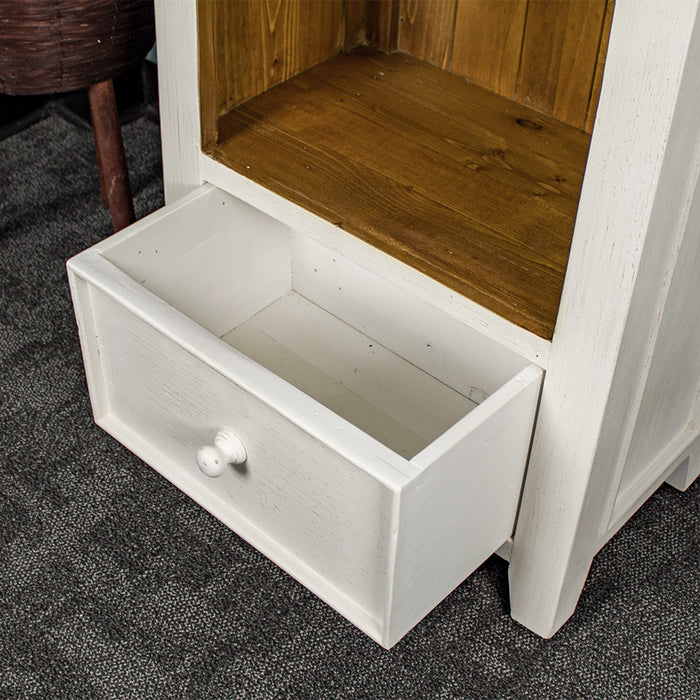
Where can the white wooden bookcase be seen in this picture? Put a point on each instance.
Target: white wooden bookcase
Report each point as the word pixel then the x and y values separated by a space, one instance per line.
pixel 619 407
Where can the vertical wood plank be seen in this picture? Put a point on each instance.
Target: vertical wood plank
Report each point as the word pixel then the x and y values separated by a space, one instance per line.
pixel 259 43
pixel 487 43
pixel 600 65
pixel 474 472
pixel 354 23
pixel 208 98
pixel 560 52
pixel 426 30
pixel 382 24
pixel 238 48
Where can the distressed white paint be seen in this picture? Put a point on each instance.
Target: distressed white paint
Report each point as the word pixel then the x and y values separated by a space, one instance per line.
pixel 640 179
pixel 81 294
pixel 228 450
pixel 317 493
pixel 212 257
pixel 428 336
pixel 457 491
pixel 672 362
pixel 686 468
pixel 176 33
pixel 350 373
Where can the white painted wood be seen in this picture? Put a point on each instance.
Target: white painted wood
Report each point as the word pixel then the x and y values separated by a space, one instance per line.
pixel 351 373
pixel 686 468
pixel 89 345
pixel 672 367
pixel 314 492
pixel 490 325
pixel 666 422
pixel 639 180
pixel 211 256
pixel 308 415
pixel 667 465
pixel 178 93
pixel 176 229
pixel 442 345
pixel 199 491
pixel 505 550
pixel 220 261
pixel 298 491
pixel 598 429
pixel 462 507
pixel 223 263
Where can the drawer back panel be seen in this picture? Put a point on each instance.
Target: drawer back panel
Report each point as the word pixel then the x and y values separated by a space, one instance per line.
pixel 217 260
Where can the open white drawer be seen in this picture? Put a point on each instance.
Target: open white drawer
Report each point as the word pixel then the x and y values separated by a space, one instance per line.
pixel 384 440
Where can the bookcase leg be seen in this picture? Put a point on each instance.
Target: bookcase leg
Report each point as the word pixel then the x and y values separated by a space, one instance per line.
pixel 544 599
pixel 546 582
pixel 687 469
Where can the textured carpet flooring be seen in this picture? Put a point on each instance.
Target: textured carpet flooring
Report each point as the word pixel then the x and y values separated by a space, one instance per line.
pixel 115 585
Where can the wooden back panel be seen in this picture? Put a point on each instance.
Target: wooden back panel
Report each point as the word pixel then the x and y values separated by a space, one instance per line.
pixel 544 54
pixel 247 46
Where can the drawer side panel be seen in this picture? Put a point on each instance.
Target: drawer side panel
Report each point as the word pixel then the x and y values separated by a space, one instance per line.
pixel 462 507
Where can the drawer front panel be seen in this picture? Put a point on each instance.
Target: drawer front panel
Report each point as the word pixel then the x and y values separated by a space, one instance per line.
pixel 323 513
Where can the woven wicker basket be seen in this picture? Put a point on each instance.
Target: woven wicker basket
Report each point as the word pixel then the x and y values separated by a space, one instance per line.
pixel 51 46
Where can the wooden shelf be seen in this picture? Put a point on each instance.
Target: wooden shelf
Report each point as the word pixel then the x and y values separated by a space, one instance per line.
pixel 471 188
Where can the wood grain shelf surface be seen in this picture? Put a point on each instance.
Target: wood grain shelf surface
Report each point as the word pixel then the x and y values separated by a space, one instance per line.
pixel 472 189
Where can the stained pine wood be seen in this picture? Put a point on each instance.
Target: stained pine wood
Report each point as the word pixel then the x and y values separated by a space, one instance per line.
pixel 383 23
pixel 426 30
pixel 210 107
pixel 258 43
pixel 559 57
pixel 548 55
pixel 474 190
pixel 600 65
pixel 354 23
pixel 488 40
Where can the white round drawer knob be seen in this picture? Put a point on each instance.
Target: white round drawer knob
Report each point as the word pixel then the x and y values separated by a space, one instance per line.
pixel 227 449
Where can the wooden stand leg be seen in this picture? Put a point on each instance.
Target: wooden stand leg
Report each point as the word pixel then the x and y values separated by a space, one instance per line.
pixel 114 177
pixel 103 191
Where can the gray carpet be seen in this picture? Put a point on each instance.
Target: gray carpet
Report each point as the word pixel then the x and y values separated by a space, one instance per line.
pixel 115 585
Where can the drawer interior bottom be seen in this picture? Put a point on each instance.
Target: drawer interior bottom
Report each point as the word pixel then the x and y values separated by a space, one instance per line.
pixel 352 374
